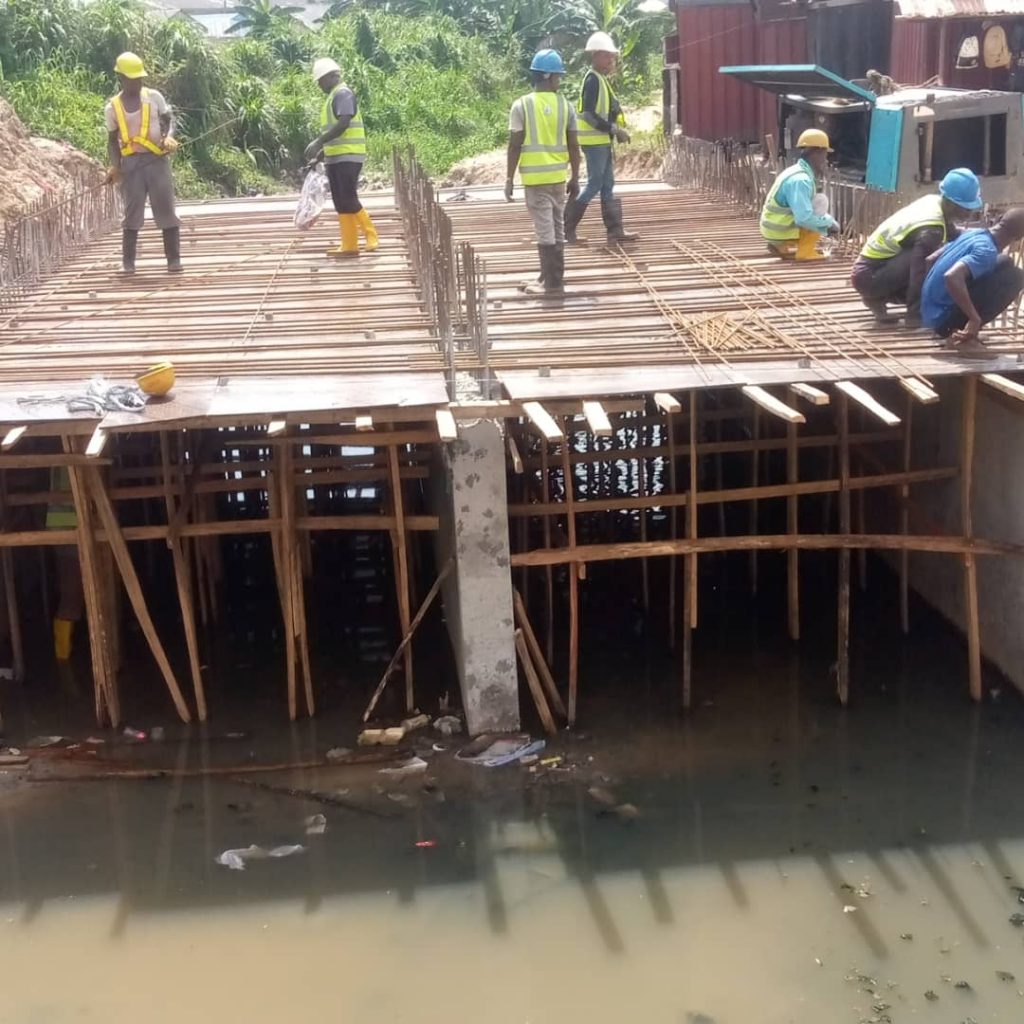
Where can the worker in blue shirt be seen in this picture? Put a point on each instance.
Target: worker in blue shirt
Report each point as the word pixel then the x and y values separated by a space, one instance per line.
pixel 971 281
pixel 790 222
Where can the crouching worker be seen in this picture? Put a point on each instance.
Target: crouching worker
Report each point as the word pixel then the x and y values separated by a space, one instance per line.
pixel 543 144
pixel 972 281
pixel 790 224
pixel 894 261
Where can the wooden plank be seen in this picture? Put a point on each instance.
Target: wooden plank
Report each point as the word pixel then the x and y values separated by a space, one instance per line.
pixel 667 403
pixel 597 419
pixel 574 596
pixel 859 395
pixel 276 427
pixel 536 654
pixel 542 420
pixel 921 391
pixel 96 443
pixel 12 437
pixel 793 528
pixel 364 423
pixel 398 537
pixel 908 423
pixel 772 404
pixel 513 451
pixel 843 613
pixel 534 684
pixel 446 428
pixel 809 393
pixel 973 624
pixel 1004 384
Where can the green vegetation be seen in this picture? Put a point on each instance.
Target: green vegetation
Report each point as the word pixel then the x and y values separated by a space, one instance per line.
pixel 436 74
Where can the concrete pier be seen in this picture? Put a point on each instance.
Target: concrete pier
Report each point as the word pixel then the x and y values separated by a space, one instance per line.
pixel 473 507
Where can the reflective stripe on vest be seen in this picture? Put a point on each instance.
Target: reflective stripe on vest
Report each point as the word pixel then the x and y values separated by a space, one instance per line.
pixel 60 516
pixel 589 135
pixel 545 155
pixel 352 141
pixel 885 243
pixel 142 139
pixel 777 223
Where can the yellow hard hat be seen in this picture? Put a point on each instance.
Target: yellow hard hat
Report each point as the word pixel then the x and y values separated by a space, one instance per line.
pixel 158 379
pixel 130 65
pixel 813 138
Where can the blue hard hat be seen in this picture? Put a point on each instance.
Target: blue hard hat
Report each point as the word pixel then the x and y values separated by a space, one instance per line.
pixel 961 186
pixel 549 62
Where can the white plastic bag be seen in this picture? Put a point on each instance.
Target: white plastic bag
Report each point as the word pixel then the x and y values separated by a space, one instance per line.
pixel 312 198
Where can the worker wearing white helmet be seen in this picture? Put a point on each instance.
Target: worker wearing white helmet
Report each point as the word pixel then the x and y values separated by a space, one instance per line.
pixel 342 145
pixel 601 121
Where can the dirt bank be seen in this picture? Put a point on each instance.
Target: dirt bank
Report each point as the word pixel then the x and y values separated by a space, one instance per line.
pixel 32 168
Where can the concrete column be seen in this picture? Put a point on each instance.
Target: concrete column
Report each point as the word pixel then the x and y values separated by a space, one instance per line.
pixel 478 594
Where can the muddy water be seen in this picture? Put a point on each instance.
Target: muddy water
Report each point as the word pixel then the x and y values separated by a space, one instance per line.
pixel 790 863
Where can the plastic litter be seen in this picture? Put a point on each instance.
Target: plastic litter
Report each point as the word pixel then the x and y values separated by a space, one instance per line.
pixel 316 825
pixel 505 750
pixel 45 741
pixel 99 396
pixel 237 859
pixel 413 766
pixel 416 722
pixel 338 753
pixel 133 734
pixel 312 198
pixel 448 725
pixel 426 844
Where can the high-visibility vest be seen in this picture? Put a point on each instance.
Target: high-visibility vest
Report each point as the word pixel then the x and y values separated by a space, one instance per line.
pixel 887 238
pixel 60 515
pixel 589 134
pixel 352 141
pixel 777 223
pixel 142 139
pixel 545 155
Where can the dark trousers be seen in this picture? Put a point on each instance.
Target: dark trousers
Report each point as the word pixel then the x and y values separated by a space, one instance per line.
pixel 991 295
pixel 883 279
pixel 343 179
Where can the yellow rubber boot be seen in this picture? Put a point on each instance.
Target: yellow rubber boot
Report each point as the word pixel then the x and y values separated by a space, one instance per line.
pixel 807 247
pixel 369 231
pixel 349 236
pixel 63 629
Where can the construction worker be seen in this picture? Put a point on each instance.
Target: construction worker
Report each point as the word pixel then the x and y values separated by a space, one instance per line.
pixel 971 281
pixel 543 144
pixel 601 122
pixel 140 137
pixel 60 515
pixel 894 261
pixel 342 144
pixel 795 215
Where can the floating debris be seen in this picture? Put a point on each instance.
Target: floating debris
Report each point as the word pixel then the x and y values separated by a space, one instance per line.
pixel 931 996
pixel 1005 976
pixel 1017 920
pixel 849 910
pixel 907 936
pixel 964 985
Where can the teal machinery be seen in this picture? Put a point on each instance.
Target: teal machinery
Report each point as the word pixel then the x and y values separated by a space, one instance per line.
pixel 905 141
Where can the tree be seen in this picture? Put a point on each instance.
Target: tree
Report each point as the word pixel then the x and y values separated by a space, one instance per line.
pixel 260 18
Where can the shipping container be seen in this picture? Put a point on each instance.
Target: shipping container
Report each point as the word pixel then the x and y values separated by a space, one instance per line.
pixel 850 38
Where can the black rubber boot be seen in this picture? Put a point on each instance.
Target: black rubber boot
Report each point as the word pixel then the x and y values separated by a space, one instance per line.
pixel 172 250
pixel 554 283
pixel 129 246
pixel 880 311
pixel 547 254
pixel 611 213
pixel 574 211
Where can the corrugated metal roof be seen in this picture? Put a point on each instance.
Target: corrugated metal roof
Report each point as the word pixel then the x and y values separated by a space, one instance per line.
pixel 959 8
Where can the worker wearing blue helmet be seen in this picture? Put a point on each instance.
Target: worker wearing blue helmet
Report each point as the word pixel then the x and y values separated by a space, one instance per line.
pixel 894 261
pixel 543 145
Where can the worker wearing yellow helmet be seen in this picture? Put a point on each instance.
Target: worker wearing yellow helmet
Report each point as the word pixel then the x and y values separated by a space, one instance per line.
pixel 140 137
pixel 342 146
pixel 795 214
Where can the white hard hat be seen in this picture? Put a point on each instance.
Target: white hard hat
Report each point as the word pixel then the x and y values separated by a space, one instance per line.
pixel 323 66
pixel 601 42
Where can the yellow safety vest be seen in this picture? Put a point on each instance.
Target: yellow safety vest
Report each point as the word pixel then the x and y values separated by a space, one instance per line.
pixel 142 139
pixel 545 155
pixel 590 135
pixel 925 212
pixel 352 141
pixel 60 516
pixel 777 223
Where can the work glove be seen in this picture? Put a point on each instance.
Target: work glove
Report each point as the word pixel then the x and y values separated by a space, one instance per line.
pixel 113 176
pixel 509 186
pixel 621 135
pixel 169 144
pixel 572 188
pixel 834 229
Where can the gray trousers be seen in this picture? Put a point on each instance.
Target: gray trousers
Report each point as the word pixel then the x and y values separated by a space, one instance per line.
pixel 147 175
pixel 546 204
